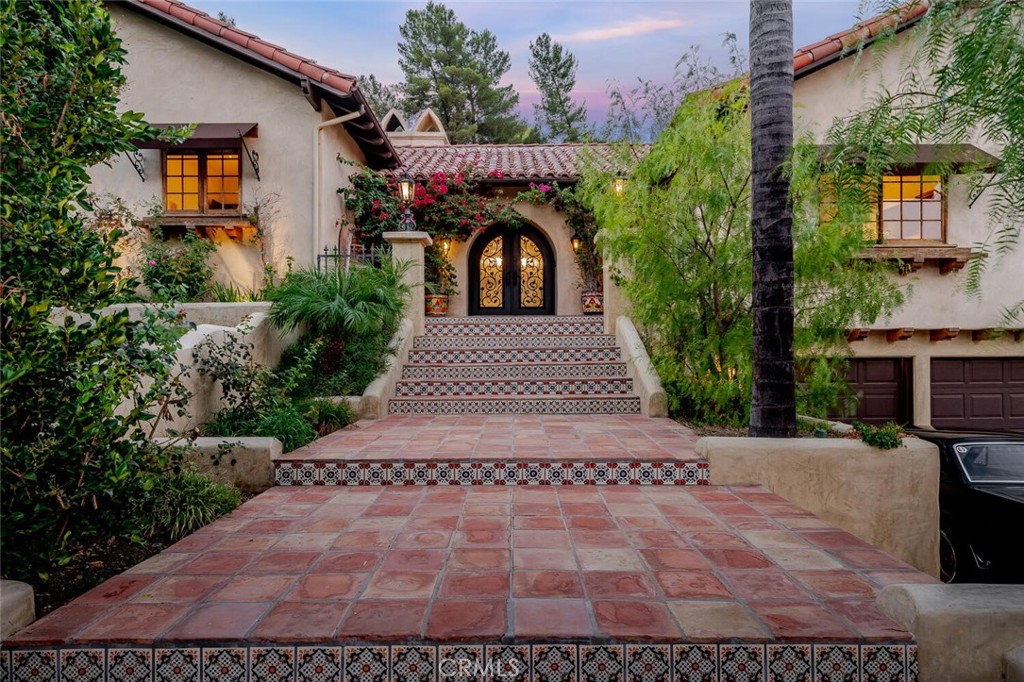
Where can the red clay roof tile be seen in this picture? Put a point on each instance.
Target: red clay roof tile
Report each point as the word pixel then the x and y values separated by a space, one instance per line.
pixel 524 162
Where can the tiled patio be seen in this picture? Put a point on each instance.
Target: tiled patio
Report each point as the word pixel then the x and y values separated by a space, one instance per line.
pixel 505 437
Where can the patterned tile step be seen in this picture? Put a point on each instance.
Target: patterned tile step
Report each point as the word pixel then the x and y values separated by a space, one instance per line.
pixel 490 356
pixel 540 662
pixel 449 388
pixel 509 342
pixel 513 326
pixel 578 370
pixel 489 473
pixel 539 405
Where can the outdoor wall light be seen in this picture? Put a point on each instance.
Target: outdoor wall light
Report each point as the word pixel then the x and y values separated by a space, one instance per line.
pixel 406 188
pixel 446 245
pixel 576 243
pixel 619 184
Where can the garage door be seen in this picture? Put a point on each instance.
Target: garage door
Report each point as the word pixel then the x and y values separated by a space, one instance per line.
pixel 978 393
pixel 883 388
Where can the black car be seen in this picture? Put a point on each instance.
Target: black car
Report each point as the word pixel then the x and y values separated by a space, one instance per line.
pixel 981 505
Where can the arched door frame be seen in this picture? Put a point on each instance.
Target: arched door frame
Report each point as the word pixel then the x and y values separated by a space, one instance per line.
pixel 511 281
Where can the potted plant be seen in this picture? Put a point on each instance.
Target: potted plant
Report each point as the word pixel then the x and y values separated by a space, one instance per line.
pixel 588 258
pixel 440 280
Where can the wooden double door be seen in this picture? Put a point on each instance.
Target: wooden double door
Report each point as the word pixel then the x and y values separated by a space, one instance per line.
pixel 511 272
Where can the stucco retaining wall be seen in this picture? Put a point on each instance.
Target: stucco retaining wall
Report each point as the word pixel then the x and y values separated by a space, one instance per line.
pixel 653 400
pixel 17 607
pixel 889 498
pixel 963 632
pixel 374 403
pixel 246 463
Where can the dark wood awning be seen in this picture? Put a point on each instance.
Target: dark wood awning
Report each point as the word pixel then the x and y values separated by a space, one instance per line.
pixel 205 136
pixel 956 154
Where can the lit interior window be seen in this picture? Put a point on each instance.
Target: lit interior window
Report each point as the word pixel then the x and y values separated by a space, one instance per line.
pixel 911 208
pixel 221 181
pixel 182 175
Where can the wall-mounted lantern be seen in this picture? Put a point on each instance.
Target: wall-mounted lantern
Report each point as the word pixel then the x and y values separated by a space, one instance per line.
pixel 619 184
pixel 576 242
pixel 406 192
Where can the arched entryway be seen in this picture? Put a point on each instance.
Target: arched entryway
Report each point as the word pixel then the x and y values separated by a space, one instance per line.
pixel 511 272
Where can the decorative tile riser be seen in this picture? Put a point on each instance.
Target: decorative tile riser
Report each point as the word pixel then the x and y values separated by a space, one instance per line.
pixel 514 326
pixel 513 387
pixel 550 662
pixel 483 356
pixel 600 405
pixel 490 473
pixel 509 342
pixel 589 370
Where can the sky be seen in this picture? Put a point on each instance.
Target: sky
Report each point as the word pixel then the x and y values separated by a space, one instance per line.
pixel 614 41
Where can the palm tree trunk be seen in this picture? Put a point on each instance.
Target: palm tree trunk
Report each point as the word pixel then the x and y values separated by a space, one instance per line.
pixel 773 399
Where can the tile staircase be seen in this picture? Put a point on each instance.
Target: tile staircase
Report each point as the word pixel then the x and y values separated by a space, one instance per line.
pixel 515 365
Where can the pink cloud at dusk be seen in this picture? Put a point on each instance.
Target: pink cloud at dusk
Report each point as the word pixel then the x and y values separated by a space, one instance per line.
pixel 631 29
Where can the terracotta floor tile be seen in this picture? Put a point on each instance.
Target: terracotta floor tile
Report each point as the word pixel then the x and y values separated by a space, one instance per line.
pixel 774 538
pixel 592 522
pixel 766 584
pixel 618 585
pixel 868 621
pixel 691 585
pixel 884 578
pixel 401 584
pixel 282 562
pixel 301 622
pixel 247 542
pixel 160 564
pixel 552 584
pixel 834 539
pixel 659 539
pixel 180 589
pixel 801 621
pixel 306 541
pixel 414 559
pixel 365 539
pixel 609 560
pixel 434 539
pixel 598 538
pixel 432 523
pixel 58 626
pixel 550 539
pixel 835 584
pixel 674 559
pixel 556 619
pixel 872 559
pixel 528 559
pixel 460 621
pixel 254 588
pixel 474 585
pixel 588 509
pixel 715 621
pixel 634 523
pixel 635 620
pixel 736 558
pixel 793 559
pixel 222 620
pixel 328 586
pixel 351 561
pixel 522 522
pixel 716 539
pixel 484 523
pixel 217 563
pixel 695 523
pixel 481 538
pixel 116 590
pixel 133 624
pixel 384 620
pixel 480 559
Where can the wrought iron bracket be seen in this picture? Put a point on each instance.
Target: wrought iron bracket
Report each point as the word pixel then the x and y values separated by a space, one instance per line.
pixel 138 163
pixel 254 156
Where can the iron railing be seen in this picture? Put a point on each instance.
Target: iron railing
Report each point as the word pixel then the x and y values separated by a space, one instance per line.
pixel 333 257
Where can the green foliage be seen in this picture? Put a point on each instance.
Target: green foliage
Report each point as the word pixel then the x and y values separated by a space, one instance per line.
pixel 553 71
pixel 962 84
pixel 181 503
pixel 363 359
pixel 229 293
pixel 681 239
pixel 326 416
pixel 383 98
pixel 75 446
pixel 457 72
pixel 178 270
pixel 581 222
pixel 888 436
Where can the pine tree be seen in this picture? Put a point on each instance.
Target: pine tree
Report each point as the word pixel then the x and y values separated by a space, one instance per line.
pixel 457 72
pixel 553 71
pixel 383 98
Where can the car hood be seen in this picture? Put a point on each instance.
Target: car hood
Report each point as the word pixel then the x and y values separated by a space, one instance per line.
pixel 1014 493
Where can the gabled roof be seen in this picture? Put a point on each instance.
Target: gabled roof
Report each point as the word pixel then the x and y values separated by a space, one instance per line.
pixel 822 53
pixel 509 162
pixel 316 82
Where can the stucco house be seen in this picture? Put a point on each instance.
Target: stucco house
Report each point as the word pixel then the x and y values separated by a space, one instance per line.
pixel 274 123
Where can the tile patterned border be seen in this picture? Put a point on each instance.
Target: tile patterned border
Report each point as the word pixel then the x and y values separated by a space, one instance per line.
pixel 504 388
pixel 500 355
pixel 494 473
pixel 531 405
pixel 581 370
pixel 475 662
pixel 526 342
pixel 514 326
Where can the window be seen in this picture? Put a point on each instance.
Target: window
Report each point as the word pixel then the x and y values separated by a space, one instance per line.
pixel 911 209
pixel 202 181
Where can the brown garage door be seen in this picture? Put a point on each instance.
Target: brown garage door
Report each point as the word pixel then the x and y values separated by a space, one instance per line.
pixel 884 389
pixel 978 393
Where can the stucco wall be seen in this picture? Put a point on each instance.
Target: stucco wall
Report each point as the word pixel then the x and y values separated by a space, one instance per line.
pixel 173 78
pixel 936 301
pixel 889 498
pixel 552 224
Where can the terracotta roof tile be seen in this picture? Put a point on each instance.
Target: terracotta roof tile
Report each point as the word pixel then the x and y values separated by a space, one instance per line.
pixel 515 161
pixel 806 58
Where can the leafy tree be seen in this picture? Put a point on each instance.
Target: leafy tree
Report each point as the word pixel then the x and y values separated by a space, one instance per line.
pixel 553 71
pixel 76 413
pixel 457 72
pixel 681 240
pixel 963 84
pixel 773 398
pixel 383 98
pixel 226 18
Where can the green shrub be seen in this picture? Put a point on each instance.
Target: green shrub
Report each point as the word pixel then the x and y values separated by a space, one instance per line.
pixel 229 293
pixel 178 270
pixel 326 416
pixel 183 502
pixel 363 359
pixel 888 436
